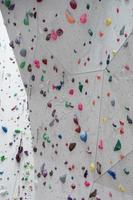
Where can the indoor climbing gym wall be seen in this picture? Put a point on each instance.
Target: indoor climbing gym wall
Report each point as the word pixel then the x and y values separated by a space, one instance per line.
pixel 75 59
pixel 16 178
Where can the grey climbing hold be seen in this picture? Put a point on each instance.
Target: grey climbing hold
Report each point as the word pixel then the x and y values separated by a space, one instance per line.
pixel 23 52
pixel 113 103
pixel 63 178
pixel 122 30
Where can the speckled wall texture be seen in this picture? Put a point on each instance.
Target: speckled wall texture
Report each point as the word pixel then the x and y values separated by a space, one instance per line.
pixel 75 60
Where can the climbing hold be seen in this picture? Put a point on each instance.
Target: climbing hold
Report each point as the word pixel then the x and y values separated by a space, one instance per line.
pixel 80 86
pixel 69 198
pixel 29 68
pixel 48 37
pixel 53 35
pixel 84 136
pixel 17 131
pixel 5 130
pixel 117 146
pixel 88 6
pixel 108 21
pixel 68 105
pixel 100 145
pixel 73 4
pixel 71 91
pixel 69 17
pixel 59 32
pixel 46 137
pixel 7 3
pixel 45 61
pixel 114 52
pixel 92 167
pixel 113 103
pixel 83 18
pixel 11 44
pixel 85 173
pixel 33 77
pixel 37 63
pixel 42 78
pixel 63 178
pixel 93 194
pixel 23 52
pixel 99 166
pixel 122 30
pixel 78 129
pixel 75 120
pixel 101 34
pixel 108 60
pixel 126 171
pixel 22 64
pixel 72 146
pixel 121 188
pixel 87 183
pixel 90 32
pixel 80 106
pixel 130 121
pixel 26 19
pixel 2 158
pixel 60 136
pixel 112 174
pixel 110 79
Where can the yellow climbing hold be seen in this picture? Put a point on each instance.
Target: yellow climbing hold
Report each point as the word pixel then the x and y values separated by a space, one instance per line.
pixel 121 188
pixel 108 21
pixel 92 167
pixel 104 119
pixel 114 53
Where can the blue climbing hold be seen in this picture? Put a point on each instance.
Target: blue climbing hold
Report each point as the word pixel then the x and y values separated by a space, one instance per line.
pixel 83 136
pixel 5 130
pixel 112 173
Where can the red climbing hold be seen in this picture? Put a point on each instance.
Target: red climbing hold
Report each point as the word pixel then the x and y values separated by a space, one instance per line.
pixel 73 4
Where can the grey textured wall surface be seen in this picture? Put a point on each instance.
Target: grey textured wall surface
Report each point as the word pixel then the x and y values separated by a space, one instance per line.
pixel 75 60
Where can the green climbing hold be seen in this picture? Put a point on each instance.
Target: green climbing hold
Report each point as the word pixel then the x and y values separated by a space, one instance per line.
pixel 2 158
pixel 26 20
pixel 22 64
pixel 42 78
pixel 88 6
pixel 90 32
pixel 110 79
pixel 46 137
pixel 80 87
pixel 117 146
pixel 7 3
pixel 68 104
pixel 17 131
pixel 126 171
pixel 50 187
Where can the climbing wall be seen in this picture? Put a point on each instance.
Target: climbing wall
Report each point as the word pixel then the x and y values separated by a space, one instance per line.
pixel 75 60
pixel 16 156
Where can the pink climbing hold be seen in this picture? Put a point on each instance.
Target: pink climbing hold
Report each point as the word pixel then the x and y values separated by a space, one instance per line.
pixel 110 194
pixel 71 91
pixel 100 145
pixel 80 106
pixel 87 184
pixel 53 35
pixel 37 63
pixel 83 18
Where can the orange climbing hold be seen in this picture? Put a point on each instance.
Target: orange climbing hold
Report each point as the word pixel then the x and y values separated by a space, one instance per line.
pixel 69 17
